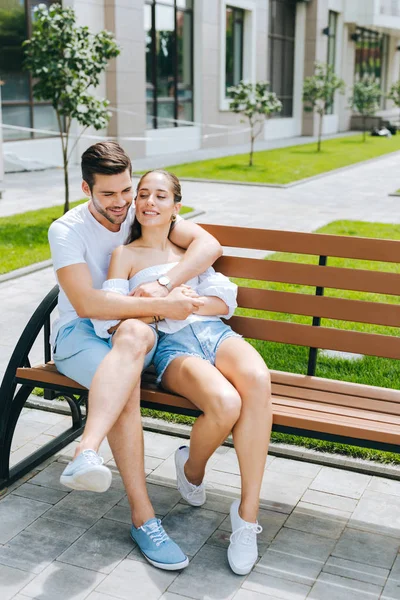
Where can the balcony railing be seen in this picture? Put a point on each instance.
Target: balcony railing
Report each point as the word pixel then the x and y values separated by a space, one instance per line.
pixel 390 8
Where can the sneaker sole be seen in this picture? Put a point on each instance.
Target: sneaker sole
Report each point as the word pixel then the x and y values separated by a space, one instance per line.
pixel 164 566
pixel 239 570
pixel 95 480
pixel 197 504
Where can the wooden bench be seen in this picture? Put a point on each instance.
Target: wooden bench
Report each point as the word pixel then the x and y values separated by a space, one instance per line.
pixel 303 404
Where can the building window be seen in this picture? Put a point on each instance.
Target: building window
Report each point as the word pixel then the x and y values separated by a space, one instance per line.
pixel 169 62
pixel 234 46
pixel 282 25
pixel 371 57
pixel 331 59
pixel 19 107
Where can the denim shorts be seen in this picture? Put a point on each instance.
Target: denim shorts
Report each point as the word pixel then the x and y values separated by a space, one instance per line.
pixel 78 351
pixel 201 339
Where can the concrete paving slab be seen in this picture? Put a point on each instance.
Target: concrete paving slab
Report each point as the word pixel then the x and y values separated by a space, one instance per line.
pixel 296 556
pixel 276 587
pixel 330 586
pixel 62 582
pixel 207 576
pixel 148 583
pixel 38 492
pixel 378 512
pixel 356 570
pixel 319 521
pixel 17 513
pixel 12 580
pixel 369 548
pixel 341 483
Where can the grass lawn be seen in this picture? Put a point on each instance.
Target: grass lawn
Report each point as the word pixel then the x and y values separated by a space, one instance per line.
pixel 368 370
pixel 23 237
pixel 285 165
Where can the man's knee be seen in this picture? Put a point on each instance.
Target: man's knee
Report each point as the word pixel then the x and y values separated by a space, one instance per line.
pixel 134 336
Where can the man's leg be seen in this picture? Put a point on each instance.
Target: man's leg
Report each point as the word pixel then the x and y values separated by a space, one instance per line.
pixel 126 442
pixel 114 381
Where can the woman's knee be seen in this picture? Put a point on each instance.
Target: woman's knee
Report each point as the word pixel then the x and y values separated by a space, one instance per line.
pixel 226 406
pixel 134 336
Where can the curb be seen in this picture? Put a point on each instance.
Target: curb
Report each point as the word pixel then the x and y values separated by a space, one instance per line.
pixel 287 451
pixel 285 186
pixel 48 263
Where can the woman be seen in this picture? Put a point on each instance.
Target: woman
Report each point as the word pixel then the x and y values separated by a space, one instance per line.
pixel 202 359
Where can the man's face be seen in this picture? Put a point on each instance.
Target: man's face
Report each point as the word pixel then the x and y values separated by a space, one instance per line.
pixel 111 198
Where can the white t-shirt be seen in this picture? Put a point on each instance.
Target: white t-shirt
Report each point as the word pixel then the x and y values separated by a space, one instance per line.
pixel 77 237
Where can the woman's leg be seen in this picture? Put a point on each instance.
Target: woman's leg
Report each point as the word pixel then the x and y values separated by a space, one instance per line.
pixel 242 365
pixel 203 384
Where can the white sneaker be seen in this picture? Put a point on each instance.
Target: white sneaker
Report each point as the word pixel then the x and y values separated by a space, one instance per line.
pixel 242 551
pixel 193 494
pixel 87 472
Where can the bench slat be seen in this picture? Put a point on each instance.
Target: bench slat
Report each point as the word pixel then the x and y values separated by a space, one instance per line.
pixel 320 306
pixel 317 337
pixel 330 398
pixel 312 275
pixel 316 421
pixel 297 380
pixel 306 243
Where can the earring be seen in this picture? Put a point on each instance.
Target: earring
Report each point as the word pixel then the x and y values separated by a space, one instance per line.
pixel 173 217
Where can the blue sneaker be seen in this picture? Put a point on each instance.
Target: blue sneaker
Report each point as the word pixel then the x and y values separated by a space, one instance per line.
pixel 87 472
pixel 157 547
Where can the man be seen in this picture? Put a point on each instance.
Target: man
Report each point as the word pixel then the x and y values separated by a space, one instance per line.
pixel 81 245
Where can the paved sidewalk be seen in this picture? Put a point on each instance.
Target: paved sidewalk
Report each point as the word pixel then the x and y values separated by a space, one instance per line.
pixel 327 534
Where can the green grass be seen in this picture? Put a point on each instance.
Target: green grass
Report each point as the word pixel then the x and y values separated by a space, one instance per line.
pixel 23 237
pixel 285 165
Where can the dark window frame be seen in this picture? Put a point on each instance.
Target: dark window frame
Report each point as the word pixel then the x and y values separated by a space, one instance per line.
pixel 238 16
pixel 369 40
pixel 153 4
pixel 31 103
pixel 286 39
pixel 332 49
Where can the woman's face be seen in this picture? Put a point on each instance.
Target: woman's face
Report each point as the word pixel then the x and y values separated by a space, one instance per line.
pixel 155 201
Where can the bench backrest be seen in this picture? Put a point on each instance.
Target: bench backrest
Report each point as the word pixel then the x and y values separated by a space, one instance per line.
pixel 383 311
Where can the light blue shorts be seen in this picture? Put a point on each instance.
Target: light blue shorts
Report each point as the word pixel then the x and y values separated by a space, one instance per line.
pixel 201 339
pixel 79 351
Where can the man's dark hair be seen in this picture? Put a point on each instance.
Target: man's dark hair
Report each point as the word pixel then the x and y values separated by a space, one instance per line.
pixel 104 158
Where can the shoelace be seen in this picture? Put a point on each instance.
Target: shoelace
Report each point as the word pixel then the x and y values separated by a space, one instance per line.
pixel 92 457
pixel 246 533
pixel 193 493
pixel 157 534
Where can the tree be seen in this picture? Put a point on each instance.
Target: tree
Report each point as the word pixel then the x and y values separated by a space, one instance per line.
pixel 66 60
pixel 394 93
pixel 319 92
pixel 366 98
pixel 255 103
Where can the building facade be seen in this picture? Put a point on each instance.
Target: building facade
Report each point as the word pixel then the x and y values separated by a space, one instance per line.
pixel 169 87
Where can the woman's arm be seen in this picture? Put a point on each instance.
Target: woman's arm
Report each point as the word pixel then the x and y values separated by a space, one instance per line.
pixel 219 294
pixel 213 307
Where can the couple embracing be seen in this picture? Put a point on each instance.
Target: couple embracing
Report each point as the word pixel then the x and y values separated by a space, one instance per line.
pixel 137 288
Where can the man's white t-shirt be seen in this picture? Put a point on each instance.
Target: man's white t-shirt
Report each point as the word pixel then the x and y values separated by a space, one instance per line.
pixel 75 238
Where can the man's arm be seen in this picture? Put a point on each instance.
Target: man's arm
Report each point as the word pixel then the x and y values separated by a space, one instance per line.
pixel 90 303
pixel 202 251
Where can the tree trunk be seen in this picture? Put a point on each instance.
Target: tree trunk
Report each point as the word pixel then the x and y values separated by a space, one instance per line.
pixel 251 150
pixel 321 117
pixel 66 185
pixel 364 119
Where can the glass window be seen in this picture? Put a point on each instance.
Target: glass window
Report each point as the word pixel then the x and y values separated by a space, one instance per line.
pixel 18 106
pixel 282 25
pixel 372 57
pixel 169 62
pixel 331 59
pixel 234 46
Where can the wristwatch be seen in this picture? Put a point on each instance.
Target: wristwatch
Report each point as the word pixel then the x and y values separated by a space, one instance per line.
pixel 164 280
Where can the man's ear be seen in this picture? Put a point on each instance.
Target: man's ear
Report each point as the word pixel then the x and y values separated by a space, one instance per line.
pixel 86 188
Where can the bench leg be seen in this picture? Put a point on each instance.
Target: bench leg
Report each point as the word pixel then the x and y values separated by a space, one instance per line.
pixel 9 475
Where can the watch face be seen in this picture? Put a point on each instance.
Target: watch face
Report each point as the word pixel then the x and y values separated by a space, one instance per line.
pixel 163 280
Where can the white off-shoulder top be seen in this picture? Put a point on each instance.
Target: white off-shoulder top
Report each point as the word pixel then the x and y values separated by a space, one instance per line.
pixel 208 283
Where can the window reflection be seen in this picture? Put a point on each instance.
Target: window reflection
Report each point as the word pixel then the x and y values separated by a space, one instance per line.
pixel 234 46
pixel 169 57
pixel 282 24
pixel 18 106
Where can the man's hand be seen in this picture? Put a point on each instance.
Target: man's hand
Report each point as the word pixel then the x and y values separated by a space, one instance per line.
pixel 150 290
pixel 180 303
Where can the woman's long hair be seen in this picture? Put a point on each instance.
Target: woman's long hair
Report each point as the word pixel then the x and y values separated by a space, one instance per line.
pixel 136 229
